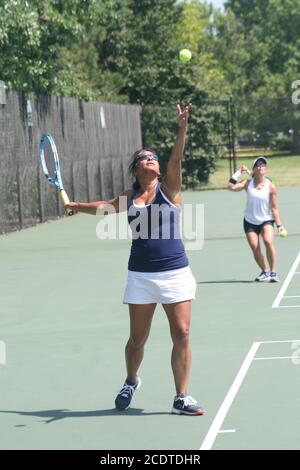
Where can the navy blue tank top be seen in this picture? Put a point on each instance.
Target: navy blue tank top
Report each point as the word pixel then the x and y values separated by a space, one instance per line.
pixel 156 243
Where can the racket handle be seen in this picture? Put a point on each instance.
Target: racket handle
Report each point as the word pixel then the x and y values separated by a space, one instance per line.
pixel 66 200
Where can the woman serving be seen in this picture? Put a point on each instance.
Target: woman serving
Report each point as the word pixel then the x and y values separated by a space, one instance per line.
pixel 158 268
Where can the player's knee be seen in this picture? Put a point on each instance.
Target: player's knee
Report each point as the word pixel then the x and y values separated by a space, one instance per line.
pixel 136 343
pixel 268 242
pixel 182 337
pixel 256 250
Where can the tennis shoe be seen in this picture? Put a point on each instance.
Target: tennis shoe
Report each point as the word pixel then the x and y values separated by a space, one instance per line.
pixel 124 396
pixel 274 277
pixel 263 277
pixel 186 405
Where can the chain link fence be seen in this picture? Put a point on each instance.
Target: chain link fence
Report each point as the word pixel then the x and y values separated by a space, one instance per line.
pixel 267 125
pixel 94 140
pixel 222 133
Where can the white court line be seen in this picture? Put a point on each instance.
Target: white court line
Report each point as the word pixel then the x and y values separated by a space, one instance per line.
pixel 223 431
pixel 288 306
pixel 282 341
pixel 220 416
pixel 223 410
pixel 286 282
pixel 272 358
pixel 291 296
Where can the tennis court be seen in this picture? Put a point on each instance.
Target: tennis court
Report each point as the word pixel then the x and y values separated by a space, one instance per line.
pixel 63 329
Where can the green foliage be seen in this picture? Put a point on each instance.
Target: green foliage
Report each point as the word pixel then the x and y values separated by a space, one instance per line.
pixel 97 61
pixel 206 137
pixel 282 142
pixel 257 45
pixel 275 25
pixel 207 140
pixel 31 34
pixel 127 51
pixel 162 80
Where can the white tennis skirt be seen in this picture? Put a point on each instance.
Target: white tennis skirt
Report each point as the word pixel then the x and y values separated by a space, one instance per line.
pixel 166 287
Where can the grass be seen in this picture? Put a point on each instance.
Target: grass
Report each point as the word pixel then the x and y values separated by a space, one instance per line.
pixel 255 152
pixel 284 171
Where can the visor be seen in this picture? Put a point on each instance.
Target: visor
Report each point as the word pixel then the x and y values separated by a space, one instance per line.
pixel 259 160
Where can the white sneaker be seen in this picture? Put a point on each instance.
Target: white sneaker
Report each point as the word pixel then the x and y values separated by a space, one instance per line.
pixel 263 277
pixel 186 405
pixel 274 277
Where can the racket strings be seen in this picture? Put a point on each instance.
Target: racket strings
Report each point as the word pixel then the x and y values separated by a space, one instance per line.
pixel 51 168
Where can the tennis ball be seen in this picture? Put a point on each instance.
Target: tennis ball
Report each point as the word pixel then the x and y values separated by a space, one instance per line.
pixel 185 55
pixel 283 233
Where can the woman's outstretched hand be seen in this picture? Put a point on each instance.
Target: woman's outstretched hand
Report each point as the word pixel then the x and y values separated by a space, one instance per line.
pixel 183 115
pixel 244 169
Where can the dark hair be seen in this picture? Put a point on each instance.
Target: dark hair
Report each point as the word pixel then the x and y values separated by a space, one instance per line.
pixel 132 165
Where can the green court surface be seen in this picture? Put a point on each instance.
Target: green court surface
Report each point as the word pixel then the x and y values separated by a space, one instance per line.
pixel 63 328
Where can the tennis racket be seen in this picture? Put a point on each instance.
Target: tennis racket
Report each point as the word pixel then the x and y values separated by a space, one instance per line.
pixel 53 174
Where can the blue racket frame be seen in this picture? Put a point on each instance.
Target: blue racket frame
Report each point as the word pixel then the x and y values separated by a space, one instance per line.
pixel 57 181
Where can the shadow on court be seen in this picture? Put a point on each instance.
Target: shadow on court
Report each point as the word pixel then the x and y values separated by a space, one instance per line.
pixel 55 415
pixel 227 281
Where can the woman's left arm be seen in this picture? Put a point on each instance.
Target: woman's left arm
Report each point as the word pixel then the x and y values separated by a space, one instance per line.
pixel 173 179
pixel 273 205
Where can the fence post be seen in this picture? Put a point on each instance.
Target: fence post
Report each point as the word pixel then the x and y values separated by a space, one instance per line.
pixel 112 189
pixel 232 116
pixel 20 199
pixel 232 163
pixel 100 179
pixel 2 93
pixel 72 181
pixel 40 200
pixel 88 190
pixel 124 180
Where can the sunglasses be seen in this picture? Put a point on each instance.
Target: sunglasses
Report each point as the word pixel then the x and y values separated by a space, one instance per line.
pixel 145 157
pixel 258 165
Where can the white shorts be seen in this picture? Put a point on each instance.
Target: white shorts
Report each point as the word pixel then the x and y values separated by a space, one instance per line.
pixel 166 287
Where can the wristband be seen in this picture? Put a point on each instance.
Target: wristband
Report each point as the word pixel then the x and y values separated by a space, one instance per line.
pixel 235 177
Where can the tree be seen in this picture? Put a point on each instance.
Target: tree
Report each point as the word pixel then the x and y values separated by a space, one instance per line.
pixel 31 35
pixel 200 80
pixel 257 45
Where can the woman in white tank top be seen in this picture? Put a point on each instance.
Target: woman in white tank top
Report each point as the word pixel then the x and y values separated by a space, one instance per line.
pixel 260 214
